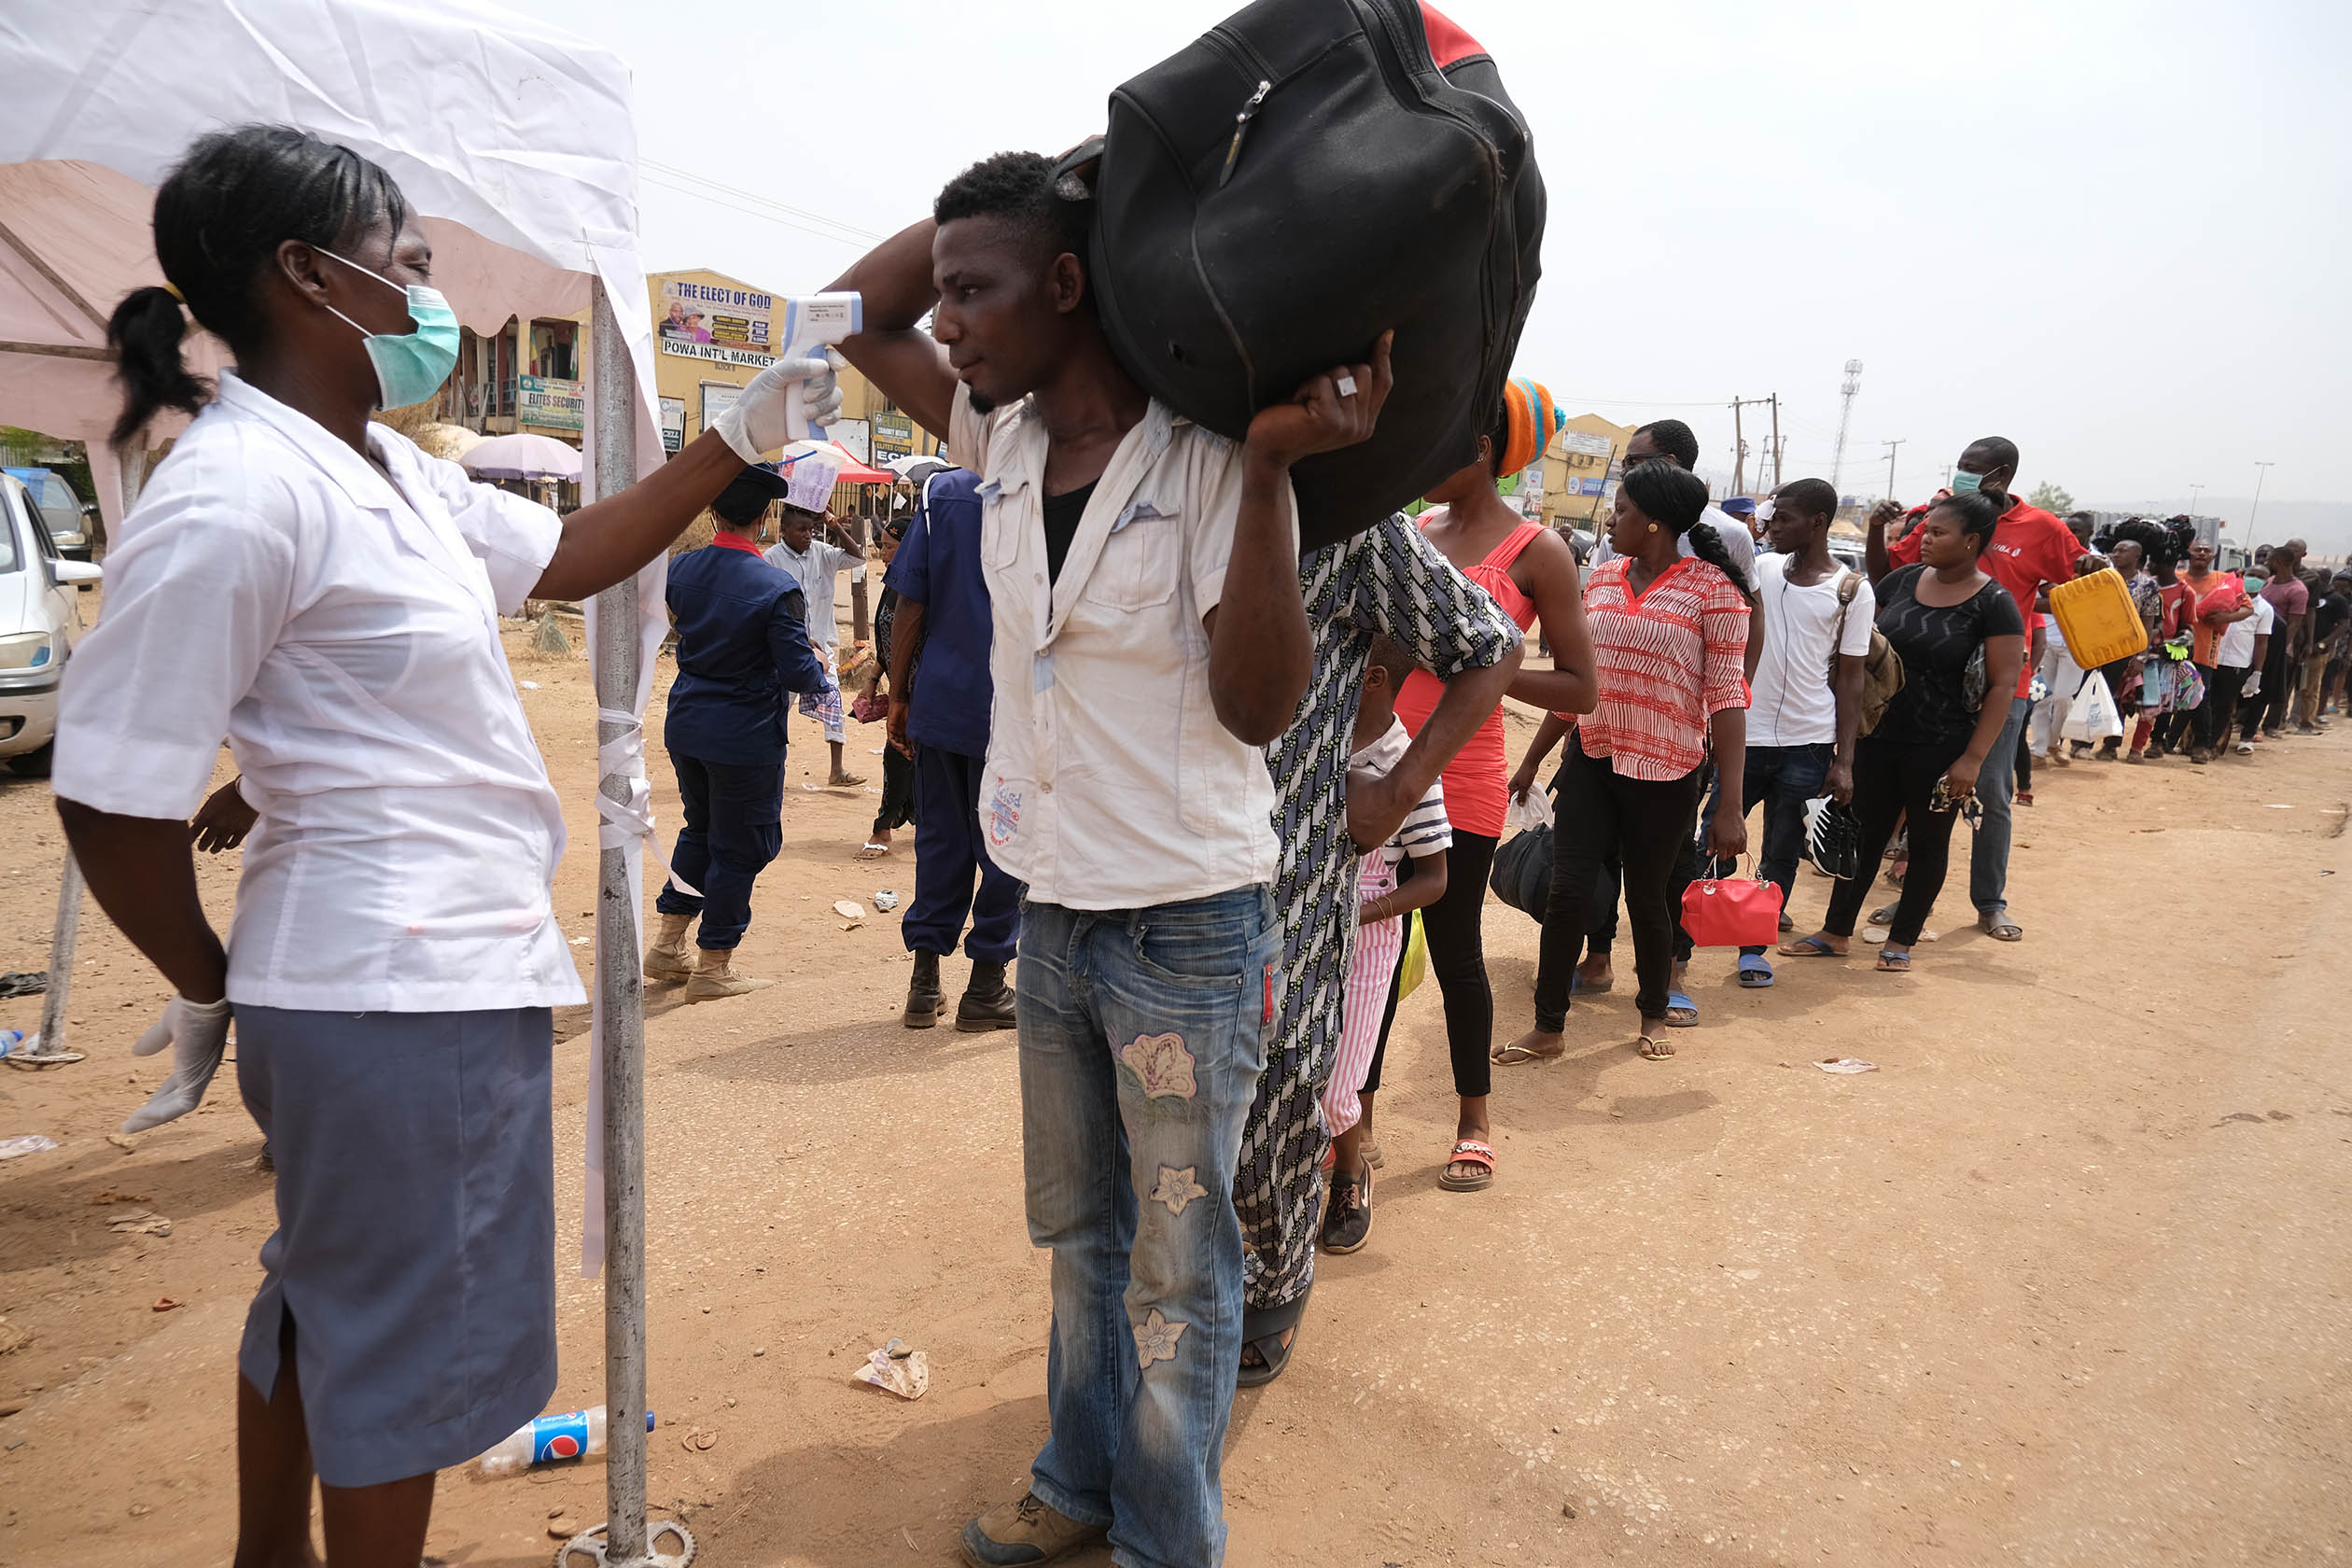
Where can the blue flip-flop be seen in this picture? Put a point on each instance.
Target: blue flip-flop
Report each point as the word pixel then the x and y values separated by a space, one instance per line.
pixel 1676 1001
pixel 1755 973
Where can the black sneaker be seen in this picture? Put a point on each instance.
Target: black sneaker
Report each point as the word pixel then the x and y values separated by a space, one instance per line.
pixel 1348 1220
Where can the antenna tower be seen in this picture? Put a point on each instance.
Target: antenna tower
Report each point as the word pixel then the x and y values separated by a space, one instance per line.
pixel 1845 418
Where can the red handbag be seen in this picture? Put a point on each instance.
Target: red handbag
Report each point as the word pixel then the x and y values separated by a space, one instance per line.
pixel 1732 911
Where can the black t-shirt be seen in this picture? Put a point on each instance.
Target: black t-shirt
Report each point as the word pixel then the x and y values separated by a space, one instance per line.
pixel 1062 513
pixel 1935 643
pixel 2328 611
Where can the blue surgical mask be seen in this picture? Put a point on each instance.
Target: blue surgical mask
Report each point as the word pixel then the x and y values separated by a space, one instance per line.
pixel 410 366
pixel 1963 480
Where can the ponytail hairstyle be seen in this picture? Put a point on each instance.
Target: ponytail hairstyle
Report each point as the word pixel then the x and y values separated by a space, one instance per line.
pixel 1976 513
pixel 220 219
pixel 1669 494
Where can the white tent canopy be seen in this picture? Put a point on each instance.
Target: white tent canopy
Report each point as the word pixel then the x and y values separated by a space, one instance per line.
pixel 512 139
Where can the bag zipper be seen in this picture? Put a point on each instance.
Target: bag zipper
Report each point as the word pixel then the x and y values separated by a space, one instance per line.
pixel 1241 129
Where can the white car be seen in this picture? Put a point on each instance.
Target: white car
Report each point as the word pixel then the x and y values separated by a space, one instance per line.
pixel 40 610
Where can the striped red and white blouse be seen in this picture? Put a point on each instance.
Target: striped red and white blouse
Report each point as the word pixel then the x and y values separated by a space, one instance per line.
pixel 1666 661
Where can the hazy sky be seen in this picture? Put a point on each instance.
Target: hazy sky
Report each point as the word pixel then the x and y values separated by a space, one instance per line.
pixel 2115 232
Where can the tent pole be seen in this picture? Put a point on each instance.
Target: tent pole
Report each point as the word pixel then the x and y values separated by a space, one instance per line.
pixel 620 990
pixel 66 935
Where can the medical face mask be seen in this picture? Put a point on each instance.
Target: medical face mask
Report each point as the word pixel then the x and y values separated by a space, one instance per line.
pixel 1963 480
pixel 411 366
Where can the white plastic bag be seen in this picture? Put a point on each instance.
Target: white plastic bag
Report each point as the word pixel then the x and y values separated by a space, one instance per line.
pixel 1532 809
pixel 2094 715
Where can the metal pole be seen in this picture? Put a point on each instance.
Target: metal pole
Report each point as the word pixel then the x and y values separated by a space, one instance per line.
pixel 61 963
pixel 65 936
pixel 1739 453
pixel 1890 448
pixel 2262 472
pixel 622 993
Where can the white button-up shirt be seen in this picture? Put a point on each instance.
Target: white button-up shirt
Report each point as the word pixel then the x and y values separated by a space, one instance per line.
pixel 1110 782
pixel 817 570
pixel 342 630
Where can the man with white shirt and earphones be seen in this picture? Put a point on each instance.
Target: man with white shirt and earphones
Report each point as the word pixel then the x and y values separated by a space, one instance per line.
pixel 1806 703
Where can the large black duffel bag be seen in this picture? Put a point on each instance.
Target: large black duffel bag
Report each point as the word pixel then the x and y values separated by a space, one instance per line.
pixel 1305 176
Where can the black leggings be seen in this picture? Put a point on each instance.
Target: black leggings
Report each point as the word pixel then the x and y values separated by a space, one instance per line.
pixel 1892 781
pixel 1649 823
pixel 1457 958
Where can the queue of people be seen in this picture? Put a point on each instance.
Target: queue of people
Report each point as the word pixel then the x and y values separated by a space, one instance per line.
pixel 1188 799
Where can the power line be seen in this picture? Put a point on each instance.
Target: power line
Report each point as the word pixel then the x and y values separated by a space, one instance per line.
pixel 687 183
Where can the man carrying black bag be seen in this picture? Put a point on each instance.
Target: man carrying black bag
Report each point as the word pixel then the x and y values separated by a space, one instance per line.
pixel 1150 638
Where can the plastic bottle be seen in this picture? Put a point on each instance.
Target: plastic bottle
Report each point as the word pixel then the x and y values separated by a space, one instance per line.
pixel 19 1043
pixel 550 1438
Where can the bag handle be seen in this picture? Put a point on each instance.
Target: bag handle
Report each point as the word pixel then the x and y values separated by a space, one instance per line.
pixel 1752 876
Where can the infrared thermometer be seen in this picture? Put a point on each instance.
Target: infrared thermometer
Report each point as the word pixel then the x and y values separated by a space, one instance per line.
pixel 813 321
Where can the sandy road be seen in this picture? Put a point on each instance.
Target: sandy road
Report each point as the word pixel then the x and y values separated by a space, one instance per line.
pixel 2065 1281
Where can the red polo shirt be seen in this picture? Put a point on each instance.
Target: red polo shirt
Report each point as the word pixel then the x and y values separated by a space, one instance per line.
pixel 2030 547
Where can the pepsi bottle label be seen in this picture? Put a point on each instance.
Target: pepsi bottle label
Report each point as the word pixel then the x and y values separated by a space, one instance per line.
pixel 564 1436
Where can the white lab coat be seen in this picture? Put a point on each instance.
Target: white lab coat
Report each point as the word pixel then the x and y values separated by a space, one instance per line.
pixel 343 632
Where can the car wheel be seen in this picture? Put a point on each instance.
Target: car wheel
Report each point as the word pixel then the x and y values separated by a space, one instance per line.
pixel 35 764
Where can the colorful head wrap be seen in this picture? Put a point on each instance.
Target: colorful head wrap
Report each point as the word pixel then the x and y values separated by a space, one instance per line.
pixel 1530 420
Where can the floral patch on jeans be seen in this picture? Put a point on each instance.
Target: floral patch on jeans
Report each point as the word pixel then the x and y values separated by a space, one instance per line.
pixel 1177 1188
pixel 1155 1338
pixel 1163 1064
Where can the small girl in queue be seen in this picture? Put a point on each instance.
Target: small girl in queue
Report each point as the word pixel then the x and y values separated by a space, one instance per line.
pixel 1383 902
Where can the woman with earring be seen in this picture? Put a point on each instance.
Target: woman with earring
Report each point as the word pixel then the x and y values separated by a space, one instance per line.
pixel 1669 640
pixel 308 582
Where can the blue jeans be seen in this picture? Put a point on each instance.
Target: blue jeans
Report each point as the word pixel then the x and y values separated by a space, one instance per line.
pixel 1142 1033
pixel 734 827
pixel 1996 788
pixel 948 849
pixel 1781 779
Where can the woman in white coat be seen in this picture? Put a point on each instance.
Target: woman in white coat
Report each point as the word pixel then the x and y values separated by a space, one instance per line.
pixel 308 582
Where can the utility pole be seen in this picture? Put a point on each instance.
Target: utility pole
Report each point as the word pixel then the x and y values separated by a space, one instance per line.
pixel 1738 452
pixel 2192 499
pixel 1845 418
pixel 1740 445
pixel 1891 447
pixel 2262 472
pixel 1778 478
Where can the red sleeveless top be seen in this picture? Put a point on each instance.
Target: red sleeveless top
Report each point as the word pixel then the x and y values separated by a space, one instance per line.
pixel 1477 793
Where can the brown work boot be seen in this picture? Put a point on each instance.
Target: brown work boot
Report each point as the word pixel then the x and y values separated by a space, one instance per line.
pixel 667 959
pixel 714 979
pixel 986 1003
pixel 1017 1534
pixel 925 1001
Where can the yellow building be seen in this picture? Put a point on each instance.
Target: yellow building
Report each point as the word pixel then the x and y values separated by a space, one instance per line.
pixel 1579 469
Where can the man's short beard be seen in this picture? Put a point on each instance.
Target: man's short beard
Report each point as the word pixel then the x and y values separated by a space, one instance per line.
pixel 982 403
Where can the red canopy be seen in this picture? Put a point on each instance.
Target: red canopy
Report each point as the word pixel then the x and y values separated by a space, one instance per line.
pixel 855 472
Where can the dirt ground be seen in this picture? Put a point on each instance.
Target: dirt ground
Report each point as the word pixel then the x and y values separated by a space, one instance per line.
pixel 2066 1280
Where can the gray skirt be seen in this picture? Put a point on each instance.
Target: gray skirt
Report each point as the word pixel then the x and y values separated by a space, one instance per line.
pixel 415 1247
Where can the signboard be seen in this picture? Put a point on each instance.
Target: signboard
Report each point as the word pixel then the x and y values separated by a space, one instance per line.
pixel 718 397
pixel 673 424
pixel 715 321
pixel 894 436
pixel 1590 446
pixel 551 403
pixel 854 436
pixel 1592 486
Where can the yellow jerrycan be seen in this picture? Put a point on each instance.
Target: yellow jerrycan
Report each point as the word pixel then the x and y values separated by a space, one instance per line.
pixel 2099 620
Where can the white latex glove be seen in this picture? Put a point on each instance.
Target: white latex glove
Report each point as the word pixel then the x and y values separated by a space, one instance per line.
pixel 198 1033
pixel 760 422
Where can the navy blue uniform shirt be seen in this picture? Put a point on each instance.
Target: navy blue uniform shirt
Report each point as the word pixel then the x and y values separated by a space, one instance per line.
pixel 938 566
pixel 741 646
